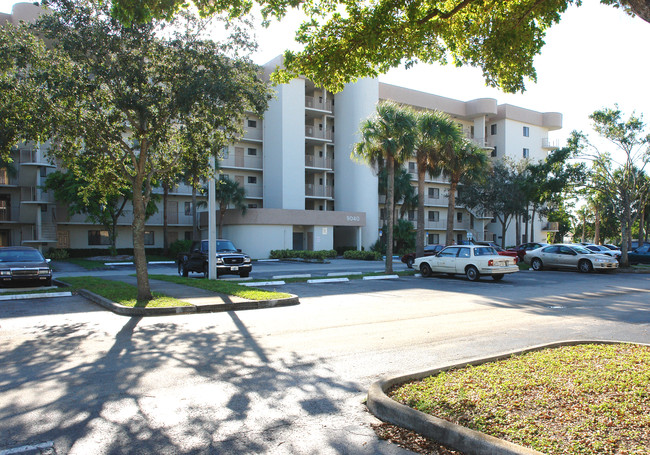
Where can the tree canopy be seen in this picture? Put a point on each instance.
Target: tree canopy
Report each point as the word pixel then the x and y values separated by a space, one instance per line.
pixel 138 100
pixel 345 40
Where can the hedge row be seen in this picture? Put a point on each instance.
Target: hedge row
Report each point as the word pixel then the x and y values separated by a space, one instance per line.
pixel 302 254
pixel 362 255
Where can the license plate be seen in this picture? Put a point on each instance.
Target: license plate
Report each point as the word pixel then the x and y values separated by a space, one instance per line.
pixel 234 268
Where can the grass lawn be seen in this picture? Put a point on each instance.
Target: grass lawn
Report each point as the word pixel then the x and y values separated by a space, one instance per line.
pixel 588 399
pixel 223 287
pixel 121 293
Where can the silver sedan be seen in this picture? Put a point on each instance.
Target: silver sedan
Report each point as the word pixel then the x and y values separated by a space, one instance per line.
pixel 569 256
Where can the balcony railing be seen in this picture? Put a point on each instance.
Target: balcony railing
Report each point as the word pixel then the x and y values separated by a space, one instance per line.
pixel 245 161
pixel 316 103
pixel 313 132
pixel 318 191
pixel 319 162
pixel 10 213
pixel 34 194
pixel 253 190
pixel 550 145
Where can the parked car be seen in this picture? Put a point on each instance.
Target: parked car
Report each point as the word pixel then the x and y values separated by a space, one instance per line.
pixel 521 250
pixel 569 256
pixel 499 250
pixel 230 260
pixel 470 260
pixel 602 249
pixel 611 247
pixel 429 250
pixel 639 256
pixel 24 265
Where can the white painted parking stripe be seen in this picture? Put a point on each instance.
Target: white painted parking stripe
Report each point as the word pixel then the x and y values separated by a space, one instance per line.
pixel 265 283
pixel 23 449
pixel 35 296
pixel 281 277
pixel 380 277
pixel 328 280
pixel 343 273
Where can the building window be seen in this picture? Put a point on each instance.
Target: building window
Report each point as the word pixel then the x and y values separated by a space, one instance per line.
pixel 252 123
pixel 382 214
pixel 43 172
pixel 494 218
pixel 98 238
pixel 252 206
pixel 494 152
pixel 459 216
pixel 148 238
pixel 434 193
pixel 526 131
pixel 252 151
pixel 434 215
pixel 411 215
pixel 188 209
pixel 320 127
pixel 252 179
pixel 187 235
pixel 493 129
pixel 526 153
pixel 433 239
pixel 412 167
pixel 471 132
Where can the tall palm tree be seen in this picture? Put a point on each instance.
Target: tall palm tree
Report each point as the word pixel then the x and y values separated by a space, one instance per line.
pixel 228 194
pixel 387 139
pixel 465 160
pixel 436 135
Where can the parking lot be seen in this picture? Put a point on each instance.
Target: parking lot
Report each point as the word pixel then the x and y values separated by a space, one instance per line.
pixel 88 381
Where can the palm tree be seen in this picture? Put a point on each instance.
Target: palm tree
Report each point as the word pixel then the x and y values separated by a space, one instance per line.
pixel 228 194
pixel 387 139
pixel 465 160
pixel 436 135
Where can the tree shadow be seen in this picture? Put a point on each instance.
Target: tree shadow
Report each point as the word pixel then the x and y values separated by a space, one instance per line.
pixel 158 388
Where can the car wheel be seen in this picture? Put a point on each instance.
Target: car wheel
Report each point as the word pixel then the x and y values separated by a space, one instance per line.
pixel 409 263
pixel 472 273
pixel 182 270
pixel 47 282
pixel 585 266
pixel 425 269
pixel 536 264
pixel 243 275
pixel 497 276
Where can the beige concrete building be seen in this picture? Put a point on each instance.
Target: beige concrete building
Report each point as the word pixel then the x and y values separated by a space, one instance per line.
pixel 303 189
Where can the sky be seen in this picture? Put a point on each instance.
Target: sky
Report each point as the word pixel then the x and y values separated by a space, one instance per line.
pixel 595 57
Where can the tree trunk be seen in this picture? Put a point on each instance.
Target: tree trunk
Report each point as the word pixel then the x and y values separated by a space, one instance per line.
pixel 526 239
pixel 195 223
pixel 113 235
pixel 641 225
pixel 597 226
pixel 504 228
pixel 165 223
pixel 139 255
pixel 450 212
pixel 390 204
pixel 222 213
pixel 532 226
pixel 419 237
pixel 518 229
pixel 624 245
pixel 584 222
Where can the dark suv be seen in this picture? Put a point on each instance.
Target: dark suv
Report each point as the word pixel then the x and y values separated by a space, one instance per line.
pixel 230 260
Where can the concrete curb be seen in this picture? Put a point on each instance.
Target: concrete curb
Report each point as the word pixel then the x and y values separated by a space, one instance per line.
pixel 450 434
pixel 208 308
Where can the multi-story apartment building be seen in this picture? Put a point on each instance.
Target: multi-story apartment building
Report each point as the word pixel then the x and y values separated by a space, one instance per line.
pixel 303 188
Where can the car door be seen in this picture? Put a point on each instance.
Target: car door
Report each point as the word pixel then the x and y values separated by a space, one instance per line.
pixel 640 255
pixel 464 258
pixel 550 256
pixel 568 257
pixel 446 260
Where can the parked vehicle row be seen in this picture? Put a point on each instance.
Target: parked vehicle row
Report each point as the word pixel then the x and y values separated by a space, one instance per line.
pixel 469 260
pixel 569 256
pixel 24 265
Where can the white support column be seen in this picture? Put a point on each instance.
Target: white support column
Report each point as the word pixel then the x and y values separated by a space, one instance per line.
pixel 212 226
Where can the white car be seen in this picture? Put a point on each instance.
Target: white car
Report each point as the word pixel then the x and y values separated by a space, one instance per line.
pixel 469 260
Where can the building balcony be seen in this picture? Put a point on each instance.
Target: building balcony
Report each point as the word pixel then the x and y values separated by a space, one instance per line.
pixel 34 195
pixel 551 226
pixel 312 190
pixel 242 162
pixel 550 145
pixel 312 132
pixel 254 191
pixel 318 103
pixel 10 214
pixel 319 162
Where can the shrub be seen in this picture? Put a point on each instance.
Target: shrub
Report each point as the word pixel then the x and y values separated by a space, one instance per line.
pixel 179 246
pixel 362 255
pixel 57 254
pixel 302 254
pixel 340 250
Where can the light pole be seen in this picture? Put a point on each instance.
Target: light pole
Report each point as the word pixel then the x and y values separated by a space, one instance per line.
pixel 212 222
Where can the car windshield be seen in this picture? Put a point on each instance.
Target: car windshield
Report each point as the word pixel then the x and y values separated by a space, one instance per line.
pixel 21 256
pixel 485 251
pixel 225 245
